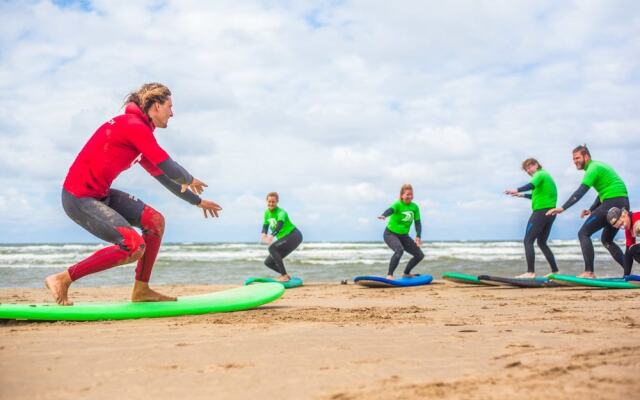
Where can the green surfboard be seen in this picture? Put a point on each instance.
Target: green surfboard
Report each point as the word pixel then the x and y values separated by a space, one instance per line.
pixel 242 298
pixel 607 283
pixel 458 277
pixel 294 282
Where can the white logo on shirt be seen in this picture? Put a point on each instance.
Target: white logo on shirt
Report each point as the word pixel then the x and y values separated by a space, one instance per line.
pixel 408 216
pixel 111 122
pixel 272 223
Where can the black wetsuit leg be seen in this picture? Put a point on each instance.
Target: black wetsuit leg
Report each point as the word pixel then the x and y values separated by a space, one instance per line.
pixel 412 248
pixel 596 221
pixel 542 243
pixel 632 254
pixel 539 227
pixel 101 217
pixel 129 206
pixel 96 216
pixel 282 248
pixel 393 241
pixel 400 243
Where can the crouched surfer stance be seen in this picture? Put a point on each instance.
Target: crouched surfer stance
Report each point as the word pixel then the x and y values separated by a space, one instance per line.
pixel 110 214
pixel 402 214
pixel 620 218
pixel 289 237
pixel 612 192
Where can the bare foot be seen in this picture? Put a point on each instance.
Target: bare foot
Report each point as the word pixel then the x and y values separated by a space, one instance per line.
pixel 587 274
pixel 410 275
pixel 526 275
pixel 142 292
pixel 547 275
pixel 58 285
pixel 390 277
pixel 283 278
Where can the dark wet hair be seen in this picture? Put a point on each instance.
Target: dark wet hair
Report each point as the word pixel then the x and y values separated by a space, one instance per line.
pixel 582 149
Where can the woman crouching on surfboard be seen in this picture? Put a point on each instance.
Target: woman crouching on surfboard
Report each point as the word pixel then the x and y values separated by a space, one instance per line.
pixel 110 214
pixel 289 237
pixel 401 215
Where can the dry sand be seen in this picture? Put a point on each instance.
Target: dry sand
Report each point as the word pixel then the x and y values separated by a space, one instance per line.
pixel 330 341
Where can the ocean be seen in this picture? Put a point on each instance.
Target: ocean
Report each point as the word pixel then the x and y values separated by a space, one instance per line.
pixel 26 265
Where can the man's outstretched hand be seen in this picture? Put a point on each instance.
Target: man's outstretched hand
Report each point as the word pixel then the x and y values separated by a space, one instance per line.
pixel 196 186
pixel 210 208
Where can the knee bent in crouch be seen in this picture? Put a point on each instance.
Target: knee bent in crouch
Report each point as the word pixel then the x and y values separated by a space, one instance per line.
pixel 541 242
pixel 584 234
pixel 131 242
pixel 606 242
pixel 152 221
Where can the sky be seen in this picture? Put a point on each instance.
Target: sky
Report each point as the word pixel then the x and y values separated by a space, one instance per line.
pixel 333 104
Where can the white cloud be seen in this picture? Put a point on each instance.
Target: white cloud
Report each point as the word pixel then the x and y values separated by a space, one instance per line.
pixel 333 105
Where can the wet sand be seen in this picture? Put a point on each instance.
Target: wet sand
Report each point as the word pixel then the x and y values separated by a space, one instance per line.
pixel 331 341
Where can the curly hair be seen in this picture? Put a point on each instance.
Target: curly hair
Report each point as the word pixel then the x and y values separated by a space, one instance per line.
pixel 148 95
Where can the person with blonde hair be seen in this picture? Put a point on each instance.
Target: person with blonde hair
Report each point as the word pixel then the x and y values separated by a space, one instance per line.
pixel 289 237
pixel 402 214
pixel 110 214
pixel 544 196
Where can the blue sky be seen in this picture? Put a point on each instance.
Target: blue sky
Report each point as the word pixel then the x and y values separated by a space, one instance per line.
pixel 334 104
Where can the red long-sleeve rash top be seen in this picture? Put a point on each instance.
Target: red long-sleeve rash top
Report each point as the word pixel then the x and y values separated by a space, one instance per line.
pixel 630 236
pixel 114 147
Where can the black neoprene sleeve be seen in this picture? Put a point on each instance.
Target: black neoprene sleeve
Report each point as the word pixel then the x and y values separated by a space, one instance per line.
pixel 175 171
pixel 175 188
pixel 576 196
pixel 387 212
pixel 526 188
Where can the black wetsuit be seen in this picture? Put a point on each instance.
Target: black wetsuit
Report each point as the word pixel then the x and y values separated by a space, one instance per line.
pixel 595 221
pixel 400 243
pixel 632 254
pixel 281 248
pixel 538 228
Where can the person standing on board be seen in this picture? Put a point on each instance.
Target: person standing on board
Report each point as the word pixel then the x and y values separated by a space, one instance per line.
pixel 402 214
pixel 289 237
pixel 544 196
pixel 110 214
pixel 612 192
pixel 620 218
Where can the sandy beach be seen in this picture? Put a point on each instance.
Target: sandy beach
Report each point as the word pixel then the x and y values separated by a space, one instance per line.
pixel 331 341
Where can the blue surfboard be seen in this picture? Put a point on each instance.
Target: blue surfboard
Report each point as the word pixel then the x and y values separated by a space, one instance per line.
pixel 294 282
pixel 635 279
pixel 378 281
pixel 536 282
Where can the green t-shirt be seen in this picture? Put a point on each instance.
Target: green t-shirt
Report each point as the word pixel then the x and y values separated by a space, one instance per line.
pixel 272 218
pixel 545 193
pixel 604 180
pixel 403 216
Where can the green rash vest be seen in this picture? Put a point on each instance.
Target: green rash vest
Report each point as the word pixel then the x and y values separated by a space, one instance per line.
pixel 272 218
pixel 403 216
pixel 604 180
pixel 545 193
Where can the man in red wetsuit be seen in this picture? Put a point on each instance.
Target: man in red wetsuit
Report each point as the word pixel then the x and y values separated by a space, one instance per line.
pixel 110 214
pixel 620 218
